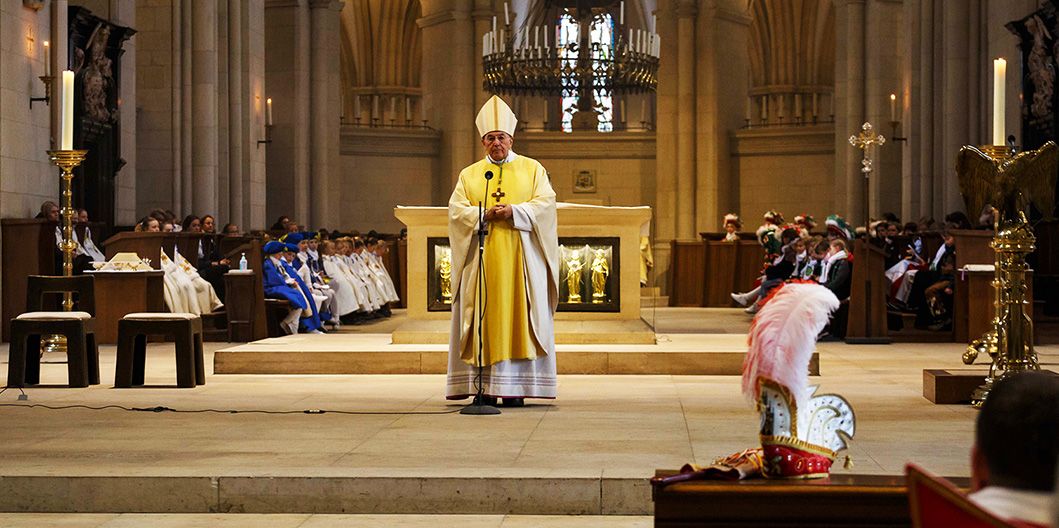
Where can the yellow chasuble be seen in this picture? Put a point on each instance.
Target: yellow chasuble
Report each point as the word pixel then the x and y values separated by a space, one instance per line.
pixel 506 331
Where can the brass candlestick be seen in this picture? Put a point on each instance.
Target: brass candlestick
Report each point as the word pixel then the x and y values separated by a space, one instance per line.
pixel 992 173
pixel 67 160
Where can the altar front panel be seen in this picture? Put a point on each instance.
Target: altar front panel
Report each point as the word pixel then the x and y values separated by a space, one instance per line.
pixel 613 230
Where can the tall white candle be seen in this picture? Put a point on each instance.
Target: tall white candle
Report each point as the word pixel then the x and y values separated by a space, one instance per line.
pixel 47 59
pixel 621 14
pixel 999 72
pixel 507 21
pixel 268 111
pixel 893 108
pixel 67 142
pixel 494 24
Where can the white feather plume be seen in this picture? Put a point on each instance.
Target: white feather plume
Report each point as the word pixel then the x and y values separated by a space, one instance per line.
pixel 783 336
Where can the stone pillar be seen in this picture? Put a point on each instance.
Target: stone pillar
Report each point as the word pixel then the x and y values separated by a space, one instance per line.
pixel 204 109
pixel 849 108
pixel 287 80
pixel 237 114
pixel 326 110
pixel 722 29
pixel 448 86
pixel 123 12
pixel 666 111
pixel 186 108
pixel 686 112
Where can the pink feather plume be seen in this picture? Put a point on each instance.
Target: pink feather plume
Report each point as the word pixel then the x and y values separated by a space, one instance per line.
pixel 783 336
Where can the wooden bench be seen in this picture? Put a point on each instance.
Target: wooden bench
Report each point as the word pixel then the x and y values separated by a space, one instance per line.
pixel 841 500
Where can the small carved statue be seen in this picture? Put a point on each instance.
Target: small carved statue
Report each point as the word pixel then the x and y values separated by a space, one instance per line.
pixel 600 272
pixel 445 272
pixel 573 277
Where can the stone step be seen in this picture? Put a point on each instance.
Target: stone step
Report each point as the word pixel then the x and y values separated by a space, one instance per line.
pixel 339 353
pixel 400 491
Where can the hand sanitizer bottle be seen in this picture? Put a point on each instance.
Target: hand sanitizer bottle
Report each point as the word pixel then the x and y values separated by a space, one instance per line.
pixel 242 263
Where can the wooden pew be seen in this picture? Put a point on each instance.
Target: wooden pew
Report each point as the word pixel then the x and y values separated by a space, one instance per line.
pixel 687 273
pixel 722 261
pixel 840 500
pixel 750 261
pixel 867 298
pixel 28 249
pixel 245 295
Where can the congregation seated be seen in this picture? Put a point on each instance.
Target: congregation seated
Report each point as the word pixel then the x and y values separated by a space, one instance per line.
pixel 86 251
pixel 281 281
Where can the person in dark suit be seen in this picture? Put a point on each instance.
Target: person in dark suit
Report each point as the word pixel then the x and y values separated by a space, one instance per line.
pixel 838 270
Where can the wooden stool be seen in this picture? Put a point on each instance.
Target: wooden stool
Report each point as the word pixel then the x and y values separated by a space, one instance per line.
pixel 186 331
pixel 82 354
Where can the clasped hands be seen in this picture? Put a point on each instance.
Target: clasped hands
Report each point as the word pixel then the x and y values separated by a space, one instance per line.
pixel 499 212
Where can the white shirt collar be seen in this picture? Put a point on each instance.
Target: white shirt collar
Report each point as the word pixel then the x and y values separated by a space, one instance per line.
pixel 1007 503
pixel 510 157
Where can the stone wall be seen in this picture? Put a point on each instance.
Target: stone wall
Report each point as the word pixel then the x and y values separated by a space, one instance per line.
pixel 786 169
pixel 27 178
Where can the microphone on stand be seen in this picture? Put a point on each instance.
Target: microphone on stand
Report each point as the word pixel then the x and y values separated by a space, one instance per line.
pixel 478 406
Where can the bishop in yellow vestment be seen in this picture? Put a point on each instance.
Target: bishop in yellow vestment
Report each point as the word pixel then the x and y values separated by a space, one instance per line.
pixel 520 273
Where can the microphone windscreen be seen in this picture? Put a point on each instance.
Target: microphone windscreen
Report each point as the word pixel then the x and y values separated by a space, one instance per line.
pixel 488 175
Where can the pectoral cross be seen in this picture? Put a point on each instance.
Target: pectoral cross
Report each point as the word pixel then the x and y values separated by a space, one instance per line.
pixel 498 194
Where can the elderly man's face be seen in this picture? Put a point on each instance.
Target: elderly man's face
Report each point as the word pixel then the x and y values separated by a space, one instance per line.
pixel 497 144
pixel 53 214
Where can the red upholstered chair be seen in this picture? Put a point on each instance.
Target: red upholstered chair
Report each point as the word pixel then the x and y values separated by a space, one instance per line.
pixel 936 503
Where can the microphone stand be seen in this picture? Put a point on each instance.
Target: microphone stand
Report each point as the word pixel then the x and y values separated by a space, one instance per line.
pixel 478 406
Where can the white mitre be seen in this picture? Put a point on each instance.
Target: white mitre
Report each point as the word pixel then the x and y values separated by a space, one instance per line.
pixel 496 115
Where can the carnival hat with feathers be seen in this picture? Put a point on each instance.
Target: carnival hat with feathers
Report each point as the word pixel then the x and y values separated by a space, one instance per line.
pixel 801 432
pixel 732 218
pixel 806 220
pixel 838 225
pixel 773 217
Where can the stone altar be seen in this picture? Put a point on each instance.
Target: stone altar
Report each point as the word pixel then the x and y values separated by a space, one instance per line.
pixel 622 325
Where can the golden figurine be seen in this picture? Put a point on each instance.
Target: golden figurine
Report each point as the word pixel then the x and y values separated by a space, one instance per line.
pixel 573 277
pixel 445 272
pixel 991 175
pixel 600 272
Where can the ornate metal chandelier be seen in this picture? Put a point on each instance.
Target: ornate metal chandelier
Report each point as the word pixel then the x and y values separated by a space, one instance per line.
pixel 537 60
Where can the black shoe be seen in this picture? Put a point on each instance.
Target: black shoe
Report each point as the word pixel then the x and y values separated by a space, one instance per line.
pixel 514 402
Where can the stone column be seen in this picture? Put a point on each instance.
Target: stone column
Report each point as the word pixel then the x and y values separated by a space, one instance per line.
pixel 686 110
pixel 326 110
pixel 204 110
pixel 237 114
pixel 287 78
pixel 448 86
pixel 666 110
pixel 849 108
pixel 722 29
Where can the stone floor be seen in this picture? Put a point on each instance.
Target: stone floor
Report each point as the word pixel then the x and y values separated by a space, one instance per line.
pixel 588 452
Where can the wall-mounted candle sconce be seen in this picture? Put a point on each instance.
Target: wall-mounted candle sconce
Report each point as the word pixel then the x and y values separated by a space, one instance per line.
pixel 894 121
pixel 268 123
pixel 47 78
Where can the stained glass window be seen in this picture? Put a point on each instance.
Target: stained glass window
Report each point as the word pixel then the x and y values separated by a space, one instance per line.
pixel 601 42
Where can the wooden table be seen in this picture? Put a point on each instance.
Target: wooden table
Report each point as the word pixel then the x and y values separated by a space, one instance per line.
pixel 973 304
pixel 119 293
pixel 840 500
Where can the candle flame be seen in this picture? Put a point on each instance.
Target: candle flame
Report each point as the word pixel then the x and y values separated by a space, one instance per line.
pixel 893 97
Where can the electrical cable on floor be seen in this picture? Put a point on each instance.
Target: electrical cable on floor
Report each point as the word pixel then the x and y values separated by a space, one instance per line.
pixel 160 409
